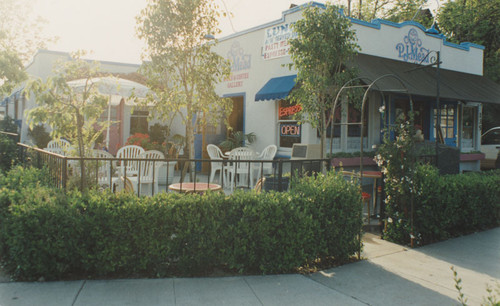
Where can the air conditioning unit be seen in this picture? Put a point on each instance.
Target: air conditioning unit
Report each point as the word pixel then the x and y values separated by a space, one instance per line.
pixel 305 151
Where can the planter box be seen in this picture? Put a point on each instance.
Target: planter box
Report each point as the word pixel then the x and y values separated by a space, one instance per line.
pixel 162 175
pixel 472 157
pixel 273 183
pixel 352 161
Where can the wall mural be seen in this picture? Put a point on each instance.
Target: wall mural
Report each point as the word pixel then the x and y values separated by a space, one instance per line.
pixel 411 50
pixel 240 61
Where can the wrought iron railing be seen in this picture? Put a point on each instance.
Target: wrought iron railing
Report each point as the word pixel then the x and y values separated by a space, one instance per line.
pixel 112 173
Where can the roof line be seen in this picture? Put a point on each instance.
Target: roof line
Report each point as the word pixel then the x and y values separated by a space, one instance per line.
pixel 375 23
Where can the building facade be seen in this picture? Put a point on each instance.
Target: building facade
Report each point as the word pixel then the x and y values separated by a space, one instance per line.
pixel 261 81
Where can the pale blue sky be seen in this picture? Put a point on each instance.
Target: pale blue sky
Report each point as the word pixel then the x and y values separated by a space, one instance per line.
pixel 107 27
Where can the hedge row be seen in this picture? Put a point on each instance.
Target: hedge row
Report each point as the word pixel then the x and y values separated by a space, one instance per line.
pixel 448 206
pixel 45 232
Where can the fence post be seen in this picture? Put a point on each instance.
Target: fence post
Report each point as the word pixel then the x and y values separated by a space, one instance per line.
pixel 280 174
pixel 65 172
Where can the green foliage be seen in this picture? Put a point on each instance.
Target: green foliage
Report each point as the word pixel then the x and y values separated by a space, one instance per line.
pixel 324 44
pixel 335 207
pixel 397 162
pixel 477 21
pixel 8 124
pixel 40 136
pixel 237 139
pixel 46 232
pixel 183 69
pixel 20 38
pixel 70 112
pixel 8 152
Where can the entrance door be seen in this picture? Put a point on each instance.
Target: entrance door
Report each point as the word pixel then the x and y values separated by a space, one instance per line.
pixel 448 120
pixel 235 120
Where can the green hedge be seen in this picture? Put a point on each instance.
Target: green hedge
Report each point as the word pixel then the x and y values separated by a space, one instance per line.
pixel 448 206
pixel 8 152
pixel 48 233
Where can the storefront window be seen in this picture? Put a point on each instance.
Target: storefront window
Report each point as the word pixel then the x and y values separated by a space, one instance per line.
pixel 139 122
pixel 447 119
pixel 354 116
pixel 290 131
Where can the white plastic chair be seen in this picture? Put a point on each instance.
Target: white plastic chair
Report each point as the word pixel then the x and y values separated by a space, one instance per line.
pixel 267 155
pixel 104 167
pixel 238 168
pixel 216 154
pixel 148 170
pixel 128 152
pixel 58 146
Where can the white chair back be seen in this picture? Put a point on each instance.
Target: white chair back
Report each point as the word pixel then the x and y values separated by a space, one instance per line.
pixel 267 154
pixel 215 154
pixel 150 167
pixel 126 152
pixel 104 167
pixel 59 146
pixel 240 168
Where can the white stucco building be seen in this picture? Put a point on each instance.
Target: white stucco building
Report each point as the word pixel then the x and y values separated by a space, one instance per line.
pixel 260 83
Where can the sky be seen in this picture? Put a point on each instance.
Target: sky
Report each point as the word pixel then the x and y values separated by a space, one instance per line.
pixel 107 28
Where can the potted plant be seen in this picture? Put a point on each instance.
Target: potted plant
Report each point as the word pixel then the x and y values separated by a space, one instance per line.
pixel 236 140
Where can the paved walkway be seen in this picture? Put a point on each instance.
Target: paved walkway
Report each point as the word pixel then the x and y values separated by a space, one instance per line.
pixel 390 275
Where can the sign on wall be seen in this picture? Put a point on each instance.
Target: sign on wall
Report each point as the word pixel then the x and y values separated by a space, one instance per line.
pixel 276 41
pixel 290 129
pixel 411 49
pixel 240 63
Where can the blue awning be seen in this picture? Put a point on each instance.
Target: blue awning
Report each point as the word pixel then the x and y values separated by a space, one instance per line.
pixel 276 88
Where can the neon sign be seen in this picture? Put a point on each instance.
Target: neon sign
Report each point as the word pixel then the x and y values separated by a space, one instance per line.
pixel 411 50
pixel 289 110
pixel 290 129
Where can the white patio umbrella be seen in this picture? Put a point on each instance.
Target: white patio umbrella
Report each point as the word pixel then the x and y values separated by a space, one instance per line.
pixel 115 88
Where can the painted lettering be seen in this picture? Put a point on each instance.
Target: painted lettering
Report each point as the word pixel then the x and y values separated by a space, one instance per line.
pixel 411 50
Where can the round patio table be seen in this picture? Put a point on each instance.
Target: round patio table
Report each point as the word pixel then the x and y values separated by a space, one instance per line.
pixel 194 187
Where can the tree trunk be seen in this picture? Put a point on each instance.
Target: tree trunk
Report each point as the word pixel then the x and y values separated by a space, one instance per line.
pixel 81 149
pixel 323 134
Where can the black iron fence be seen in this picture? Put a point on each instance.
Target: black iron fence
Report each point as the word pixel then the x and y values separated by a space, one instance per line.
pixel 160 174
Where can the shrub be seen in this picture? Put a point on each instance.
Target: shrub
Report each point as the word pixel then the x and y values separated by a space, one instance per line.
pixel 55 234
pixel 448 206
pixel 335 206
pixel 8 152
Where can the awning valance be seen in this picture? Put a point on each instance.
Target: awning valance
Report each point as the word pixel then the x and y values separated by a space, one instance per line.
pixel 422 82
pixel 276 88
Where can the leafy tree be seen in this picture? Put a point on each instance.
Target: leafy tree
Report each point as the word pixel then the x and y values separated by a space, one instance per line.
pixel 325 42
pixel 70 112
pixel 477 21
pixel 183 70
pixel 393 10
pixel 20 37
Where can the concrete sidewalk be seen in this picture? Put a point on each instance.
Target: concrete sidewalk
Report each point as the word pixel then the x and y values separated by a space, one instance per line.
pixel 390 275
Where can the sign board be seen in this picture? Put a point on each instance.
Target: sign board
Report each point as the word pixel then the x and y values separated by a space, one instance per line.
pixel 276 41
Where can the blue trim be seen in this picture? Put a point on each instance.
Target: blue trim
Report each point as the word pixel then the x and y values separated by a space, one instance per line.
pixel 282 156
pixel 376 24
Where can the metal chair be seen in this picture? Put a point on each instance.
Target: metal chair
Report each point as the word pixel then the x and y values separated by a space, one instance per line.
pixel 216 154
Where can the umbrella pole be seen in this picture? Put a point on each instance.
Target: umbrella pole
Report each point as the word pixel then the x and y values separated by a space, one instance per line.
pixel 109 120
